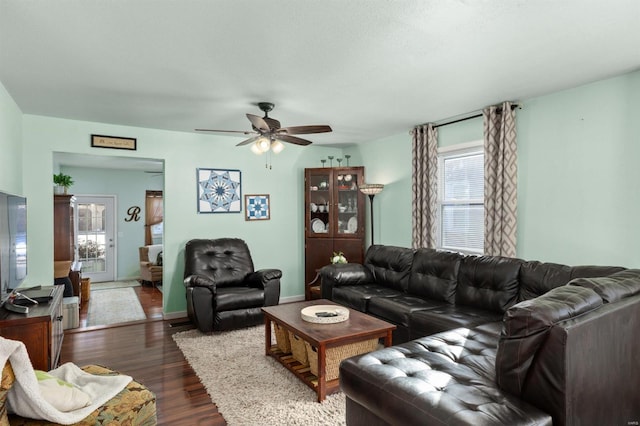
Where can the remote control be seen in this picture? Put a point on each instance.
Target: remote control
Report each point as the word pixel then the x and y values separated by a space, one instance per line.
pixel 326 314
pixel 16 308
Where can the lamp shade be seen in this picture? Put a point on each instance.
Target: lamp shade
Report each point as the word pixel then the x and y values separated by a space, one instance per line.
pixel 263 144
pixel 277 146
pixel 256 149
pixel 371 188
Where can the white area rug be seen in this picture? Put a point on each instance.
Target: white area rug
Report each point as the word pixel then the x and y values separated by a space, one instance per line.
pixel 250 388
pixel 114 284
pixel 114 306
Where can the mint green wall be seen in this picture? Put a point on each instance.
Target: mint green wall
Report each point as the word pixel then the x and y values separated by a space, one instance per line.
pixel 462 132
pixel 578 150
pixel 277 243
pixel 128 187
pixel 388 161
pixel 10 144
pixel 578 154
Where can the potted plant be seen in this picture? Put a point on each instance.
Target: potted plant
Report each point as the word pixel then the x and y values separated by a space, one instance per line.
pixel 62 182
pixel 338 258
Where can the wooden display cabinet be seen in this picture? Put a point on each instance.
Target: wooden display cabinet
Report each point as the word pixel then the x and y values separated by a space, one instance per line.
pixel 40 330
pixel 63 235
pixel 334 219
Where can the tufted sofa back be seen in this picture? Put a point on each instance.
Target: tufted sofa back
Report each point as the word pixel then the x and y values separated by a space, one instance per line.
pixel 488 282
pixel 227 261
pixel 390 266
pixel 537 278
pixel 434 275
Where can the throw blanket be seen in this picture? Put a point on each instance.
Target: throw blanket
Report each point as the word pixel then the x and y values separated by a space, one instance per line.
pixel 26 399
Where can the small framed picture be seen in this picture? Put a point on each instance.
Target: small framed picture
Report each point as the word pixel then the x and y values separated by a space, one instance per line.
pixel 113 142
pixel 257 207
pixel 219 191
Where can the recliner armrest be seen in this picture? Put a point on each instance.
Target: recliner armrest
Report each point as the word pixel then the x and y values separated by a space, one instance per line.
pixel 343 274
pixel 200 281
pixel 262 277
pixel 269 281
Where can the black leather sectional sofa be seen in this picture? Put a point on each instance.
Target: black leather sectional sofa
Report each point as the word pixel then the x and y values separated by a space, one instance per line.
pixel 485 340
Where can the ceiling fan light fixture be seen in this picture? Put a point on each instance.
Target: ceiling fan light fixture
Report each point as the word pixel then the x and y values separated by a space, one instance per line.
pixel 263 144
pixel 277 146
pixel 255 148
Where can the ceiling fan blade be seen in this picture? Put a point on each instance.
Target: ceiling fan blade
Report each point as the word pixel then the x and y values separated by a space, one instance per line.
pixel 250 140
pixel 258 122
pixel 304 130
pixel 244 132
pixel 292 139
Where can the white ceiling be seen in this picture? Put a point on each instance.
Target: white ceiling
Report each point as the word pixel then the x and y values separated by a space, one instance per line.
pixel 368 68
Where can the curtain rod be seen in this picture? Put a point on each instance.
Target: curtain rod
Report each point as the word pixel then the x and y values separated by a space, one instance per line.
pixel 513 106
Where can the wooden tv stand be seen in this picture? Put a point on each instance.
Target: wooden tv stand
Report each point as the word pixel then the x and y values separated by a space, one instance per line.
pixel 40 330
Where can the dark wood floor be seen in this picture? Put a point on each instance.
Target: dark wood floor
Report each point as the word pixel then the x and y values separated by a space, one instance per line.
pixel 146 351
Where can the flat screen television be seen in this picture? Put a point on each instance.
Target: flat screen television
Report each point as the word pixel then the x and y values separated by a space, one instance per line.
pixel 13 242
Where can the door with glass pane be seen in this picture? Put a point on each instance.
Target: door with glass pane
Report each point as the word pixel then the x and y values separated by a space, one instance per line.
pixel 95 244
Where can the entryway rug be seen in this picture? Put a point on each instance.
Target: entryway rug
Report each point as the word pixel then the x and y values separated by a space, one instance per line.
pixel 251 388
pixel 113 306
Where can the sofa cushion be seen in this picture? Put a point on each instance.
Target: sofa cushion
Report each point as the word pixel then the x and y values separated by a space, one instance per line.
pixel 537 278
pixel 397 309
pixel 614 287
pixel 590 271
pixel 488 282
pixel 525 329
pixel 434 274
pixel 358 296
pixel 232 298
pixel 443 317
pixel 390 266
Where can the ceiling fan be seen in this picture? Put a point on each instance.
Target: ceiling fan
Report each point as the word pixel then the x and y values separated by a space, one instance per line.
pixel 269 134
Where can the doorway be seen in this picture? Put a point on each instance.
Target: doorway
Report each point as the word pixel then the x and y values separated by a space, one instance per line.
pixel 125 179
pixel 95 237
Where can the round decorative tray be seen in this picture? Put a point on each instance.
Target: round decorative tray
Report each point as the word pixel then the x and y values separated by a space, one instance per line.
pixel 324 314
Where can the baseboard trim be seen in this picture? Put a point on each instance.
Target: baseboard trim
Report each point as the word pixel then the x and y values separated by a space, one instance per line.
pixel 174 315
pixel 290 299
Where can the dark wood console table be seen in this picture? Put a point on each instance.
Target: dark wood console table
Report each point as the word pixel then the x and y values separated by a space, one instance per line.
pixel 40 330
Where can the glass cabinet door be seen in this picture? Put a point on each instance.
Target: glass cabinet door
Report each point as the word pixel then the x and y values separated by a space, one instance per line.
pixel 320 201
pixel 346 185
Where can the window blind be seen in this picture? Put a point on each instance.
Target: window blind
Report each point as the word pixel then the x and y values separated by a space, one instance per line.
pixel 462 201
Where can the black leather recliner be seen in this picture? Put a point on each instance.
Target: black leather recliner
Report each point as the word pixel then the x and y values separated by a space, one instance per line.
pixel 223 290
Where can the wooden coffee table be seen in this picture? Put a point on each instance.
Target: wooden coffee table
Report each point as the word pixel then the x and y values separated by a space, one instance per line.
pixel 359 327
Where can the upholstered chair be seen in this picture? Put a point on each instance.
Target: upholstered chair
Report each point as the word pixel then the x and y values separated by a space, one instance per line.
pixel 223 290
pixel 134 405
pixel 150 270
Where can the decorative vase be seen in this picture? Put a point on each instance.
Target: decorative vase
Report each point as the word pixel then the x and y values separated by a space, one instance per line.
pixel 59 189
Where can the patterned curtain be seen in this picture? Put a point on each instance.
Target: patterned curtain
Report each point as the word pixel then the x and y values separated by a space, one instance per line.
pixel 425 185
pixel 153 213
pixel 500 178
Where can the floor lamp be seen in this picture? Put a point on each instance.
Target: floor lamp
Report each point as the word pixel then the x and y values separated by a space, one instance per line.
pixel 371 189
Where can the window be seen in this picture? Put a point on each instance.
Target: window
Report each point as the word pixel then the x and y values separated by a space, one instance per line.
pixel 461 198
pixel 153 217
